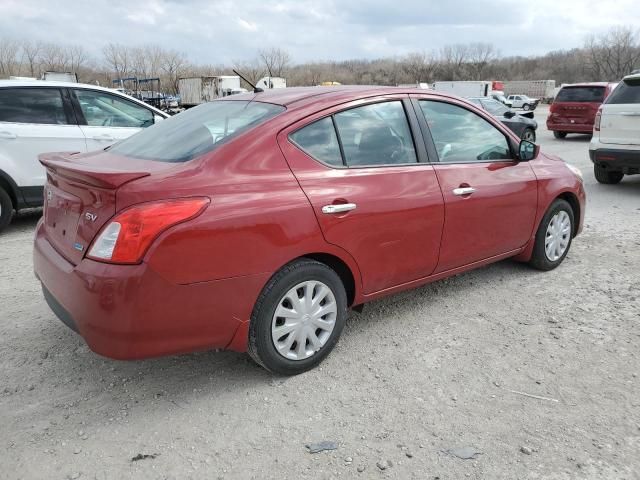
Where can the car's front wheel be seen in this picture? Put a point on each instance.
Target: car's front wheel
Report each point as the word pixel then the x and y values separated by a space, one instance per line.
pixel 553 238
pixel 298 318
pixel 6 209
pixel 607 177
pixel 526 107
pixel 529 135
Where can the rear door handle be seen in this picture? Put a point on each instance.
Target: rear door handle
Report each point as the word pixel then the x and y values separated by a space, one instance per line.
pixel 8 135
pixel 338 208
pixel 104 138
pixel 463 191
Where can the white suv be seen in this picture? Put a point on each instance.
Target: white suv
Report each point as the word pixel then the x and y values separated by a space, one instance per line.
pixel 45 116
pixel 615 145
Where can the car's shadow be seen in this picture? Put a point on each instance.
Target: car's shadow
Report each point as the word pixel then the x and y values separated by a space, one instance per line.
pixel 25 219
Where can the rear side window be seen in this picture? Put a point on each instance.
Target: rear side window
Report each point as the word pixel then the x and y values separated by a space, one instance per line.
pixel 627 91
pixel 377 134
pixel 581 94
pixel 320 141
pixel 102 109
pixel 196 131
pixel 32 105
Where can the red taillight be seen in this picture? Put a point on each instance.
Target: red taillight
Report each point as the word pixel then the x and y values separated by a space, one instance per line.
pixel 553 108
pixel 596 122
pixel 126 238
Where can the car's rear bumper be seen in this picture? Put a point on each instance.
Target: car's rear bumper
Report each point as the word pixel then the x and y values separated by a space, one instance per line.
pixel 568 127
pixel 130 311
pixel 616 159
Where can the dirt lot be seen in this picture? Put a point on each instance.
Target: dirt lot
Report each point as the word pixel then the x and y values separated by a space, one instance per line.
pixel 438 368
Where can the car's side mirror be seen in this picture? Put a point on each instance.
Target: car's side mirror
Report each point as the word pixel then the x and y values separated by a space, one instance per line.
pixel 528 151
pixel 509 114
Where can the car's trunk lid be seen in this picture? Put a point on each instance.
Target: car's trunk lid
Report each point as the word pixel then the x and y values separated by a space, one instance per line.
pixel 620 124
pixel 80 197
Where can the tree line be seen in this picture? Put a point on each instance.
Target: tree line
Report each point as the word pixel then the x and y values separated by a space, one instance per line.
pixel 605 57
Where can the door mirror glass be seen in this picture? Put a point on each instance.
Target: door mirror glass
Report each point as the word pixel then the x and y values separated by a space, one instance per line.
pixel 528 151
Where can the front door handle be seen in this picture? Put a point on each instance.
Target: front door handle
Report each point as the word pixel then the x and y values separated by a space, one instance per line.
pixel 338 208
pixel 104 138
pixel 8 135
pixel 461 191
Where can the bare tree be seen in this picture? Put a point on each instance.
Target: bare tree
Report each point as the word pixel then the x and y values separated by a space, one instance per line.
pixel 480 56
pixel 75 57
pixel 172 64
pixel 117 59
pixel 31 50
pixel 419 66
pixel 9 56
pixel 614 54
pixel 276 61
pixel 252 70
pixel 452 61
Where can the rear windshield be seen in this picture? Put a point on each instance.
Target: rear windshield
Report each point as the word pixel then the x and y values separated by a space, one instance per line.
pixel 580 94
pixel 626 92
pixel 196 131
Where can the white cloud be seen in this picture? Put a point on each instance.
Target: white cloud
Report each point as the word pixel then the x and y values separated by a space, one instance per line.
pixel 224 30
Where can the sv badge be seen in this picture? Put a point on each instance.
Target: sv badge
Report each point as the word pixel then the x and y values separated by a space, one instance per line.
pixel 92 217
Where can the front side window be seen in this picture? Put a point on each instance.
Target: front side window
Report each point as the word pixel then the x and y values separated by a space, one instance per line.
pixel 377 134
pixel 319 140
pixel 196 131
pixel 32 105
pixel 462 136
pixel 102 109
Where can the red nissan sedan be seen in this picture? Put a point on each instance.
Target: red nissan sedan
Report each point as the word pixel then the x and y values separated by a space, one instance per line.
pixel 254 223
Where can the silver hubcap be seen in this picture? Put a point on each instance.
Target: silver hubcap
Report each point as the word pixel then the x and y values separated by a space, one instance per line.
pixel 529 136
pixel 303 320
pixel 558 236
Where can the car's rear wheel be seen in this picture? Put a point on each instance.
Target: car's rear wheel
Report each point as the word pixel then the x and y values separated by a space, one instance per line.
pixel 607 176
pixel 529 135
pixel 559 134
pixel 6 209
pixel 553 238
pixel 526 106
pixel 298 318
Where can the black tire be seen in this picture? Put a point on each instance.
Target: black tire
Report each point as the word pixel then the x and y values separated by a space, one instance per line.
pixel 559 134
pixel 6 209
pixel 261 346
pixel 607 177
pixel 539 258
pixel 526 107
pixel 529 132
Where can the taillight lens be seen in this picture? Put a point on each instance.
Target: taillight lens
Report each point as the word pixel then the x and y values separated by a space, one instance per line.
pixel 596 122
pixel 128 236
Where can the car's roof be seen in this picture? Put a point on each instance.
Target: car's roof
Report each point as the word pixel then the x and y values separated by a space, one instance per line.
pixel 53 83
pixel 588 84
pixel 633 76
pixel 309 95
pixel 50 83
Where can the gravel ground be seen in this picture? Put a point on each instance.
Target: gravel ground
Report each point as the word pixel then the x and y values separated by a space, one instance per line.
pixel 537 371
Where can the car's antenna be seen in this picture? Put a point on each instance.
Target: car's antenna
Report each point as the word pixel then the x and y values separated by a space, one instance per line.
pixel 255 89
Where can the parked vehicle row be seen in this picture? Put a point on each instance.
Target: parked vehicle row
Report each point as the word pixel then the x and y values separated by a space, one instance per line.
pixel 270 215
pixel 41 116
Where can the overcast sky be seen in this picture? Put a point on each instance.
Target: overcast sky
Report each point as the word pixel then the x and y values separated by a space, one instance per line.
pixel 211 31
